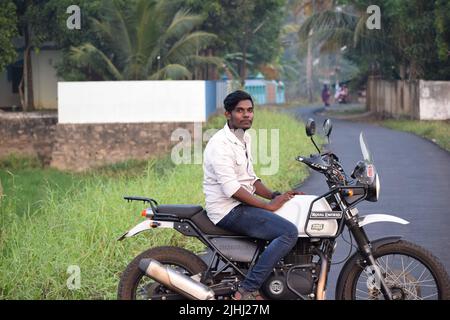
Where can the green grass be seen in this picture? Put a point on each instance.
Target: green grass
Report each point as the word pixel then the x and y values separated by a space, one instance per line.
pixel 25 183
pixel 80 216
pixel 436 131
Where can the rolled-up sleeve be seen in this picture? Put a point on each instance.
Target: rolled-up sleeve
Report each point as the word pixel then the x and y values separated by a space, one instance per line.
pixel 223 166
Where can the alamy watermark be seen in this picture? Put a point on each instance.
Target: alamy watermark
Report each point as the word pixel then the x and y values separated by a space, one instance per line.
pixel 374 276
pixel 189 149
pixel 74 20
pixel 74 280
pixel 374 20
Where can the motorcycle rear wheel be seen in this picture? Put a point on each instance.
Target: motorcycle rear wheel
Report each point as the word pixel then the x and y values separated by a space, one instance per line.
pixel 136 285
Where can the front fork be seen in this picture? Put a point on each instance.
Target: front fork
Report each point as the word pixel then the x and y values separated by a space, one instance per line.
pixel 365 249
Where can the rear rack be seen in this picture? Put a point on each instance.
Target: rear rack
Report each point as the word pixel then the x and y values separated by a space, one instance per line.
pixel 153 203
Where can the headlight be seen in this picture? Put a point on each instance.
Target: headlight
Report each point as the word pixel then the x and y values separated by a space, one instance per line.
pixel 373 190
pixel 377 186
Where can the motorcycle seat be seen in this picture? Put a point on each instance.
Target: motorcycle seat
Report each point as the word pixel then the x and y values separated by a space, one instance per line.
pixel 180 210
pixel 197 215
pixel 202 221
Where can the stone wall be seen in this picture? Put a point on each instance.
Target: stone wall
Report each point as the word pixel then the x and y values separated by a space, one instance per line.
pixel 31 134
pixel 82 146
pixel 77 147
pixel 393 99
pixel 420 100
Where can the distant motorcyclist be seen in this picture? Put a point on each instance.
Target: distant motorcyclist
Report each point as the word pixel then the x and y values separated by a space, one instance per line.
pixel 326 95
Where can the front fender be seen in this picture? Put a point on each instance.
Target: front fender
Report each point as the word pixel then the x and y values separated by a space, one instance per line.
pixel 352 260
pixel 372 218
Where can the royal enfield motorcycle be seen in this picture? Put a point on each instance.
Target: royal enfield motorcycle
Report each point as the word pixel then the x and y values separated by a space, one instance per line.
pixel 384 269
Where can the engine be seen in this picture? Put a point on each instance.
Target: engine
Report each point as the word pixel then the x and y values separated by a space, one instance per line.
pixel 301 279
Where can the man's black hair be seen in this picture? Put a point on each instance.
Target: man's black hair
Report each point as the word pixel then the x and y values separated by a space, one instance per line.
pixel 234 98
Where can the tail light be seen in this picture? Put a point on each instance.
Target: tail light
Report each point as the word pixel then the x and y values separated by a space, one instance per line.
pixel 148 213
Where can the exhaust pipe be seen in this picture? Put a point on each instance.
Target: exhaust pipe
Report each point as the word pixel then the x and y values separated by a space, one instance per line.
pixel 176 281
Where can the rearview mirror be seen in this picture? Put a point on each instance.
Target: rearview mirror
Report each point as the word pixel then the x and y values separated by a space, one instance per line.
pixel 310 127
pixel 327 127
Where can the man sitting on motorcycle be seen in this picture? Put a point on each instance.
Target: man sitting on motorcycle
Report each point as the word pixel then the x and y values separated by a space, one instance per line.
pixel 230 185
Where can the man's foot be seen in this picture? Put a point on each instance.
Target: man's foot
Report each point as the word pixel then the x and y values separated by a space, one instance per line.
pixel 243 294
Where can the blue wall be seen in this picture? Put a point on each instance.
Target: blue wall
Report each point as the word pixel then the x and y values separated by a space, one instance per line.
pixel 215 92
pixel 210 97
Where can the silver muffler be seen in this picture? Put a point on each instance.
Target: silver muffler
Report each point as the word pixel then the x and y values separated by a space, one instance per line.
pixel 176 281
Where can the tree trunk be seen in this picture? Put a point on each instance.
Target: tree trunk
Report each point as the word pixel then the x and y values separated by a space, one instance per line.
pixel 212 69
pixel 21 95
pixel 309 73
pixel 27 78
pixel 309 62
pixel 244 62
pixel 402 71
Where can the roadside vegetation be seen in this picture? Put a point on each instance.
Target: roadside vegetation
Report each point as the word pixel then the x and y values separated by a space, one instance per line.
pixel 50 220
pixel 436 131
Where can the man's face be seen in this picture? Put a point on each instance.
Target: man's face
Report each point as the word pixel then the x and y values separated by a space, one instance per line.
pixel 242 115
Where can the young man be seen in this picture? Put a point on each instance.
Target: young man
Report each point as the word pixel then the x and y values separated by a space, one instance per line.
pixel 230 185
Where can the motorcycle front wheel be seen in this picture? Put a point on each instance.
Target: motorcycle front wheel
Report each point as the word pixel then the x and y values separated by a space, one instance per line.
pixel 411 273
pixel 136 285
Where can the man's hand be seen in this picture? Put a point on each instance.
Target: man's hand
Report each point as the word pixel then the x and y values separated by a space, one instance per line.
pixel 297 193
pixel 280 200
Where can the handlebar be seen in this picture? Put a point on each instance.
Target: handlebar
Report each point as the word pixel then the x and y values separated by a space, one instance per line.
pixel 326 163
pixel 310 162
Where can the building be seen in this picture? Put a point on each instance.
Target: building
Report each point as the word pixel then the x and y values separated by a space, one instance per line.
pixel 45 79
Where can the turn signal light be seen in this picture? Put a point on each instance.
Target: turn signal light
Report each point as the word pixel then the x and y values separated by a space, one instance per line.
pixel 148 213
pixel 348 192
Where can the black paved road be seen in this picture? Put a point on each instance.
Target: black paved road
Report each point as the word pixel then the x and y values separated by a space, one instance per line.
pixel 415 184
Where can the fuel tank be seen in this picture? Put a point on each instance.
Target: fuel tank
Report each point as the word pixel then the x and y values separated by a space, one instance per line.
pixel 296 211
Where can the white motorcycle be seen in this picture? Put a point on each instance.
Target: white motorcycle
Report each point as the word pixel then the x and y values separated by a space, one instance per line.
pixel 387 268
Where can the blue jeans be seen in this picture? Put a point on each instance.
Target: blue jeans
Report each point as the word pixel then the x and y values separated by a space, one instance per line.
pixel 266 225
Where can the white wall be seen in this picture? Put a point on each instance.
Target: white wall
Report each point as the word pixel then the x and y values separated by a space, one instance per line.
pixel 434 100
pixel 131 101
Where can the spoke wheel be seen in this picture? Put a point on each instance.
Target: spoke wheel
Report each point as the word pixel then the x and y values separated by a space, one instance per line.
pixel 409 271
pixel 408 279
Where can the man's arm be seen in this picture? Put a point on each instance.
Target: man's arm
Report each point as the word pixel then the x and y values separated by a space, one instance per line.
pixel 246 197
pixel 262 190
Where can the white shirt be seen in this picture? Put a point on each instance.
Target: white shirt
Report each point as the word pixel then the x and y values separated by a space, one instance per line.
pixel 227 166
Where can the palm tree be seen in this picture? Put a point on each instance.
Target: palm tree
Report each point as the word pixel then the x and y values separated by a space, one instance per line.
pixel 309 9
pixel 141 40
pixel 344 27
pixel 336 27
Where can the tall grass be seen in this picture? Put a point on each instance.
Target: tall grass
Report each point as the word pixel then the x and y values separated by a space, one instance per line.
pixel 80 226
